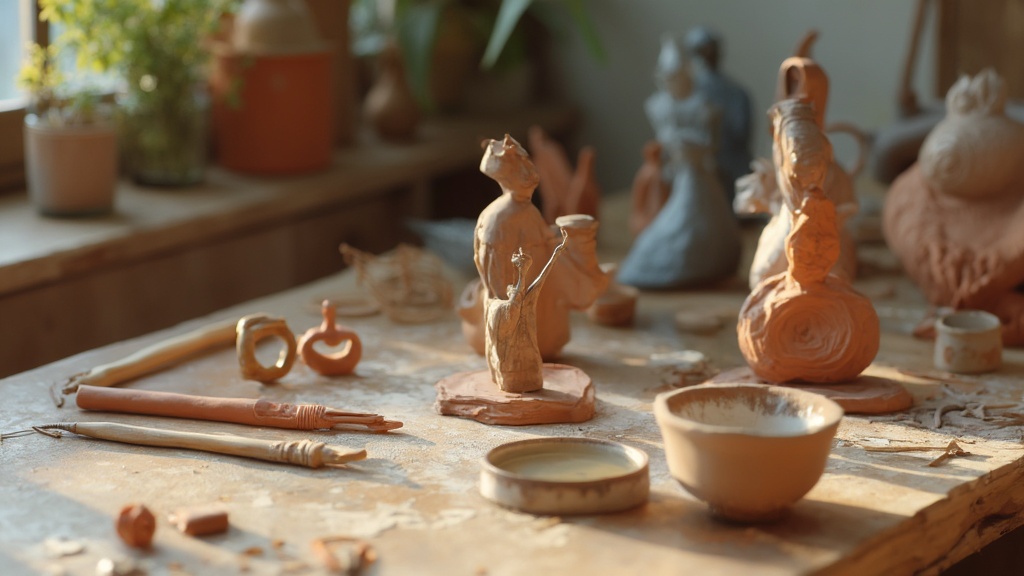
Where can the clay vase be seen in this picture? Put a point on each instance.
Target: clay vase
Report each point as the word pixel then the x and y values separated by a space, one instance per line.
pixel 953 218
pixel 274 102
pixel 806 324
pixel 390 105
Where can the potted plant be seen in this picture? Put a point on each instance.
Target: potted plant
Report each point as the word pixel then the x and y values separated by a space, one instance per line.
pixel 70 142
pixel 444 41
pixel 158 48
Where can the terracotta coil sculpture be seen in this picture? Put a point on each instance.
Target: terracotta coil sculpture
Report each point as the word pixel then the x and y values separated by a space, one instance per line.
pixel 807 324
pixel 253 328
pixel 338 363
pixel 954 218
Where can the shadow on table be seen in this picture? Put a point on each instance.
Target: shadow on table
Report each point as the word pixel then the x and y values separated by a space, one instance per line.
pixel 811 535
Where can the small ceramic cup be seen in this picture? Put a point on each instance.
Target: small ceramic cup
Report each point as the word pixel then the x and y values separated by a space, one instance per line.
pixel 968 342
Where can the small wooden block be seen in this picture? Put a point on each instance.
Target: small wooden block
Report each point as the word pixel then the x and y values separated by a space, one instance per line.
pixel 568 396
pixel 865 395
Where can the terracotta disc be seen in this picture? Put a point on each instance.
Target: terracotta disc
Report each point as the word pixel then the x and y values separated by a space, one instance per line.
pixel 568 396
pixel 865 395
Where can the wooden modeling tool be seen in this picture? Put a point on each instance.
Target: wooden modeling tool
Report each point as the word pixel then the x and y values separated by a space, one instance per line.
pixel 237 410
pixel 300 453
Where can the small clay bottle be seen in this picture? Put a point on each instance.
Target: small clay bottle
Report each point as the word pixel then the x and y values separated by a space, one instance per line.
pixel 390 105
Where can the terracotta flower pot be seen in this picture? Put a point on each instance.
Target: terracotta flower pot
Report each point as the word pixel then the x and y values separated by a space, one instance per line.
pixel 273 114
pixel 71 170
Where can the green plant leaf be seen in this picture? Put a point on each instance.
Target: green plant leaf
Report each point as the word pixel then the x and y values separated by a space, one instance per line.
pixel 587 30
pixel 508 16
pixel 417 34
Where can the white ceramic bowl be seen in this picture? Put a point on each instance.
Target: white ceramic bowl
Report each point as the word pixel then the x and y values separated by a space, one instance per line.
pixel 749 451
pixel 565 476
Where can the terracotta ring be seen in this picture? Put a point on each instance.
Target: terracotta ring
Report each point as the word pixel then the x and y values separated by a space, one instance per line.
pixel 250 330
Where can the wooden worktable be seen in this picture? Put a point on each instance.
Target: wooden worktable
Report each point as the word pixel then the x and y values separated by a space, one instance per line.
pixel 415 499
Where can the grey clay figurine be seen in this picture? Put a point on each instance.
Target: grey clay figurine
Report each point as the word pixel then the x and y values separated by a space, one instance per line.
pixel 695 238
pixel 732 154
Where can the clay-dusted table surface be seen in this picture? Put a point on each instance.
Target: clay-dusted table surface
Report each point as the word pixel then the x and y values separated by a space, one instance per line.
pixel 415 499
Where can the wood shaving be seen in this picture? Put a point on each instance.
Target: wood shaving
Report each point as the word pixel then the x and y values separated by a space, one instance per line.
pixel 952 450
pixel 937 422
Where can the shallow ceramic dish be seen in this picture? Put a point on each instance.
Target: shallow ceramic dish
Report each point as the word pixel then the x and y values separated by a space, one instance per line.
pixel 565 476
pixel 749 451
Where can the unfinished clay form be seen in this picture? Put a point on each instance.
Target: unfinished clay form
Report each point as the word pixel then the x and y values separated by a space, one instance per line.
pixel 408 283
pixel 615 307
pixel 806 324
pixel 732 154
pixel 567 396
pixel 968 342
pixel 337 363
pixel 512 222
pixel 253 328
pixel 390 104
pixel 565 476
pixel 563 190
pixel 694 238
pixel 759 192
pixel 510 333
pixel 748 451
pixel 650 190
pixel 954 218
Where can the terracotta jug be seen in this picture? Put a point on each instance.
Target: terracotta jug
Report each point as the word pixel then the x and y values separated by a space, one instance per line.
pixel 390 105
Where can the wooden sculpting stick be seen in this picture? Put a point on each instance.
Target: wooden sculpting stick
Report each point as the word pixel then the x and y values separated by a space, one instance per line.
pixel 301 453
pixel 237 410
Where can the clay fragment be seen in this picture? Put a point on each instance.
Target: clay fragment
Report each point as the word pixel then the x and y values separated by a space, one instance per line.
pixel 343 554
pixel 136 525
pixel 200 520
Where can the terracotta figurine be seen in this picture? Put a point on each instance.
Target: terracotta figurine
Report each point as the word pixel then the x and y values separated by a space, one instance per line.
pixel 512 222
pixel 732 155
pixel 806 324
pixel 695 238
pixel 954 217
pixel 511 330
pixel 758 192
pixel 650 191
pixel 563 190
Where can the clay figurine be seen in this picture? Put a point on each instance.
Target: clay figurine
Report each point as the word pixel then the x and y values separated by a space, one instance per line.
pixel 806 324
pixel 954 217
pixel 511 330
pixel 759 192
pixel 390 105
pixel 512 222
pixel 650 191
pixel 695 238
pixel 732 155
pixel 563 190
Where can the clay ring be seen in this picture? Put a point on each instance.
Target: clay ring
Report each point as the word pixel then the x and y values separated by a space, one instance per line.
pixel 253 328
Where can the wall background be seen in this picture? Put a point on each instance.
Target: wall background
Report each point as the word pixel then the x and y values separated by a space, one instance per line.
pixel 861 45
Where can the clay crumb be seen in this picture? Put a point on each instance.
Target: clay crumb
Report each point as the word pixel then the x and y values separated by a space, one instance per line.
pixel 253 551
pixel 952 450
pixel 343 554
pixel 201 520
pixel 61 547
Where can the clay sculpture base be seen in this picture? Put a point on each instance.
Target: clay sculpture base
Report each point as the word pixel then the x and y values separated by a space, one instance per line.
pixel 567 396
pixel 864 395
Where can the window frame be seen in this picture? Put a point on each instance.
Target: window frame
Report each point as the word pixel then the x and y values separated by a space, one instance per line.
pixel 12 116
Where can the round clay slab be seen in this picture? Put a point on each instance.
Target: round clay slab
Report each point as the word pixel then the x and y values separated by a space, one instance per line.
pixel 565 476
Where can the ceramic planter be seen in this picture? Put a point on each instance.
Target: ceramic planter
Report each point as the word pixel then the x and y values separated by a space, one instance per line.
pixel 71 170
